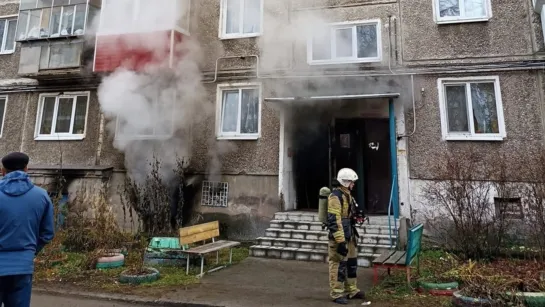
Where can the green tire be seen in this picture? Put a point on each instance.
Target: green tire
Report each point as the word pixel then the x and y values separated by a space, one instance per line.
pixel 110 265
pixel 534 299
pixel 125 278
pixel 438 286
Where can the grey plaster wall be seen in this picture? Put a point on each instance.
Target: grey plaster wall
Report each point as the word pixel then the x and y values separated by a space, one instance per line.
pixel 522 111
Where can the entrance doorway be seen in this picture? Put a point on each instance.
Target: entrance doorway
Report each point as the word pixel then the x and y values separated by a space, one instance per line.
pixel 364 146
pixel 321 150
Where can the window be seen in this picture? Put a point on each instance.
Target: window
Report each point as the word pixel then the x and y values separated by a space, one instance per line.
pixel 239 111
pixel 351 42
pixel 3 103
pixel 7 35
pixel 40 19
pixel 148 118
pixel 62 117
pixel 241 18
pixel 455 11
pixel 471 109
pixel 509 208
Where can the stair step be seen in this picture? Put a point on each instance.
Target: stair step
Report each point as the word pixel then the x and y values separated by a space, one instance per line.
pixel 297 216
pixel 317 226
pixel 312 235
pixel 318 245
pixel 302 254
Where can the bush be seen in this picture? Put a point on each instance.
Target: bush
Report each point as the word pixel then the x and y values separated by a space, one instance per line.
pixel 91 222
pixel 461 211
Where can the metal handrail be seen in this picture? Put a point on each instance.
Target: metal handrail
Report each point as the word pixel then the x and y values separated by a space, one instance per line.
pixel 390 204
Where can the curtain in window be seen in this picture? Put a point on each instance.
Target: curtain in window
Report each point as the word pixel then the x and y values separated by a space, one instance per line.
pixel 451 8
pixel 229 111
pixel 485 113
pixel 474 8
pixel 64 115
pixel 232 22
pixel 252 16
pixel 457 108
pixel 249 113
pixel 367 41
pixel 67 19
pixel 343 43
pixel 47 115
pixel 79 116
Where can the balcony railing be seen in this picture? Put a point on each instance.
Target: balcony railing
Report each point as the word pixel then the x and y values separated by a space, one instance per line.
pixel 45 19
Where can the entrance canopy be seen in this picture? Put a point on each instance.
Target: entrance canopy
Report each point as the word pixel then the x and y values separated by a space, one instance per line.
pixel 334 97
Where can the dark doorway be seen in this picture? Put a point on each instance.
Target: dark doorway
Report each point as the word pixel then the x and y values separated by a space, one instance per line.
pixel 311 164
pixel 364 146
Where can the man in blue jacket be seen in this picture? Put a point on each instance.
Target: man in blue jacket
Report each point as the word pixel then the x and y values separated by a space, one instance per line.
pixel 26 226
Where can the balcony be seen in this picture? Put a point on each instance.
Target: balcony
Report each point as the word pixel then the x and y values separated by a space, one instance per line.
pixel 135 34
pixel 51 33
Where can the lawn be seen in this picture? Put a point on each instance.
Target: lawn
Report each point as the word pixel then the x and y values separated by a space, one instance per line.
pixel 72 274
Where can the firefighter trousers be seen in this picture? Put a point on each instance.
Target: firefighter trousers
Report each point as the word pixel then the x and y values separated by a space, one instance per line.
pixel 342 270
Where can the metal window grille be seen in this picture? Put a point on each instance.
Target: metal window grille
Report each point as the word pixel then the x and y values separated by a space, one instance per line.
pixel 214 194
pixel 510 208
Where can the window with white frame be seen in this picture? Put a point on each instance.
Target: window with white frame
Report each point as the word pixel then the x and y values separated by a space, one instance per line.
pixel 3 105
pixel 471 109
pixel 8 27
pixel 239 111
pixel 451 11
pixel 42 19
pixel 346 42
pixel 62 117
pixel 241 18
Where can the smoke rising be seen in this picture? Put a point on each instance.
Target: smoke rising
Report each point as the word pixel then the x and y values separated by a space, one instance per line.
pixel 151 111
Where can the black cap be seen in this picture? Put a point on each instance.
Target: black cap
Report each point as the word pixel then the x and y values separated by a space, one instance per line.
pixel 15 161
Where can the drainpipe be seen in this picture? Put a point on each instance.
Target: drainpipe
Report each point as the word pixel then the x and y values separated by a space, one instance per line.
pixel 414 112
pixel 100 139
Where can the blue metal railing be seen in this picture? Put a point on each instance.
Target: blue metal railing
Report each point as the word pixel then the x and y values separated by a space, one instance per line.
pixel 390 205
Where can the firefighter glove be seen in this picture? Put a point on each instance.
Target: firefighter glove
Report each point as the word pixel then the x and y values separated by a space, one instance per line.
pixel 342 250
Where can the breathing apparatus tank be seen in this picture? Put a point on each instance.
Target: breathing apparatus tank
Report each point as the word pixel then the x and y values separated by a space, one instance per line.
pixel 322 205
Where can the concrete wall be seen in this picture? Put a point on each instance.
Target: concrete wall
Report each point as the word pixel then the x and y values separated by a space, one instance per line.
pixel 521 99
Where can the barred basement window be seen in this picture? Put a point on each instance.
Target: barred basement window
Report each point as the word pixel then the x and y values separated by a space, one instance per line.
pixel 214 194
pixel 510 208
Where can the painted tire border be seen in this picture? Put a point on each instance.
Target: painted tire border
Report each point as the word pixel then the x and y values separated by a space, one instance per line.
pixel 437 292
pixel 124 278
pixel 113 258
pixel 460 300
pixel 533 299
pixel 439 286
pixel 110 265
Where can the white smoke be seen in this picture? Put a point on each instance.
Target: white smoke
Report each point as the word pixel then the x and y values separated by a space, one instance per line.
pixel 151 111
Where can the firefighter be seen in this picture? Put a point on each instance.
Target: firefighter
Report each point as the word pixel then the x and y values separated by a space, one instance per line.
pixel 343 253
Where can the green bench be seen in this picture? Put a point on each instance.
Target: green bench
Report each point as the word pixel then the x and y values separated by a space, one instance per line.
pixel 401 259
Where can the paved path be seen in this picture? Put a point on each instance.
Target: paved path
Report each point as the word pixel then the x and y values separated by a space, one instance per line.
pixel 39 300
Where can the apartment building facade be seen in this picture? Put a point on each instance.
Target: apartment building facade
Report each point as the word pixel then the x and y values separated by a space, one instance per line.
pixel 295 90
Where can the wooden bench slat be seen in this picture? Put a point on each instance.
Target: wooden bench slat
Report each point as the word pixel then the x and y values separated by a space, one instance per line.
pixel 191 230
pixel 394 259
pixel 383 257
pixel 209 234
pixel 211 247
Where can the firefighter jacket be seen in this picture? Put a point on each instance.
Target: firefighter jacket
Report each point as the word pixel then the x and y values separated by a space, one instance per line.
pixel 339 215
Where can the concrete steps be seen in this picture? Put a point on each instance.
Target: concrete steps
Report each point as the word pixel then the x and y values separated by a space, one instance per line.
pixel 299 236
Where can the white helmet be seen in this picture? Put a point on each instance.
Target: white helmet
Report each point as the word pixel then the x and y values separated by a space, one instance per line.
pixel 346 175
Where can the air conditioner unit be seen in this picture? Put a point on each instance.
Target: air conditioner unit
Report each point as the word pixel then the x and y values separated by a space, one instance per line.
pixel 538 5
